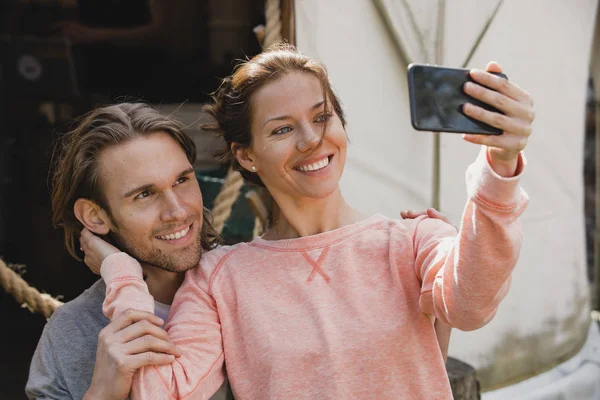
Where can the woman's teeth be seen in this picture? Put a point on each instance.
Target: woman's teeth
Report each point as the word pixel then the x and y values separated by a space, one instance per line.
pixel 315 166
pixel 176 235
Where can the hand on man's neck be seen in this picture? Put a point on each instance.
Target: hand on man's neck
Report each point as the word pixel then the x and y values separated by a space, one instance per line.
pixel 162 284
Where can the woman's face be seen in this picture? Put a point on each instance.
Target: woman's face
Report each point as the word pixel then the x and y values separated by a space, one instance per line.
pixel 288 120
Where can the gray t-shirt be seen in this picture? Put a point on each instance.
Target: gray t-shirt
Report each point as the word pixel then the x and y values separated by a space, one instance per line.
pixel 63 363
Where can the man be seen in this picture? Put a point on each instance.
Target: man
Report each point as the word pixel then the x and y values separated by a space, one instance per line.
pixel 124 173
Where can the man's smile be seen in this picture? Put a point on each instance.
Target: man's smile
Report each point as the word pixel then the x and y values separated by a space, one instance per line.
pixel 177 236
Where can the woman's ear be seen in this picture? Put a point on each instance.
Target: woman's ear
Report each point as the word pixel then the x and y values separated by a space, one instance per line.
pixel 244 157
pixel 92 216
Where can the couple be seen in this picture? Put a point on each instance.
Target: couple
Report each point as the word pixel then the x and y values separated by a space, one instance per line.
pixel 328 303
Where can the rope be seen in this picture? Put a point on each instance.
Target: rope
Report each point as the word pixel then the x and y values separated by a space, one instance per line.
pixel 230 190
pixel 26 295
pixel 273 25
pixel 258 207
pixel 227 196
pixel 258 227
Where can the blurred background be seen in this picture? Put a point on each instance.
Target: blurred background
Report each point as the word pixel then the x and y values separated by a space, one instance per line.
pixel 61 58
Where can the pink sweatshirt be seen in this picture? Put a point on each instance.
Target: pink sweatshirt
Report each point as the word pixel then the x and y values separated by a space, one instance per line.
pixel 346 314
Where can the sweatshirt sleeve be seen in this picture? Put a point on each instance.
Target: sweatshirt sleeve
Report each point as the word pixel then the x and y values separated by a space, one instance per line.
pixel 125 286
pixel 193 326
pixel 464 277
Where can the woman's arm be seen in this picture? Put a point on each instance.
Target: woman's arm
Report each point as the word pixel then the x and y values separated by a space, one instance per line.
pixel 193 326
pixel 442 330
pixel 464 277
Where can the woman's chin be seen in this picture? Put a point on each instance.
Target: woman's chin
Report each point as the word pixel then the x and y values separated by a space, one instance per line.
pixel 321 192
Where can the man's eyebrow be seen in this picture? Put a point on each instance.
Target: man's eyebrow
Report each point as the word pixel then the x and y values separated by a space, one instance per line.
pixel 283 117
pixel 186 171
pixel 149 186
pixel 139 189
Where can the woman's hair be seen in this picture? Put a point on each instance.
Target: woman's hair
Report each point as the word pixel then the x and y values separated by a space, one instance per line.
pixel 232 102
pixel 74 172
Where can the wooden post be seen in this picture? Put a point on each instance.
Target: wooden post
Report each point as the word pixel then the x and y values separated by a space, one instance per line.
pixel 288 21
pixel 463 380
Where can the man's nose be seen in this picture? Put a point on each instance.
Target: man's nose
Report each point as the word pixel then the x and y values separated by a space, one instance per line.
pixel 310 137
pixel 173 209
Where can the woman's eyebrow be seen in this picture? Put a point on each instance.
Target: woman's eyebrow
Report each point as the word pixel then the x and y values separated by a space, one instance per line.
pixel 284 117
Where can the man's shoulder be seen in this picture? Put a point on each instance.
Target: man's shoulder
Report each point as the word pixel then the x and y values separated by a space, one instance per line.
pixel 83 312
pixel 63 363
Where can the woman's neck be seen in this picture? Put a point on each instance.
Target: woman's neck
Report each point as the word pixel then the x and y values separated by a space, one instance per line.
pixel 310 217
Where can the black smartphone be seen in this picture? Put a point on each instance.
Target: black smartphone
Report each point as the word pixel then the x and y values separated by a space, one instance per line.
pixel 436 100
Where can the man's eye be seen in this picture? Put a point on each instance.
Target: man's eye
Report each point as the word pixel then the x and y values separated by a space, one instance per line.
pixel 281 131
pixel 143 195
pixel 323 118
pixel 181 180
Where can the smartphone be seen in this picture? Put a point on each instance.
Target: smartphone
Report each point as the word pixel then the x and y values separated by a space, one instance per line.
pixel 436 100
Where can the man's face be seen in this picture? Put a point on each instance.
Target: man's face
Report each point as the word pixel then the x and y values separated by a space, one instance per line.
pixel 154 201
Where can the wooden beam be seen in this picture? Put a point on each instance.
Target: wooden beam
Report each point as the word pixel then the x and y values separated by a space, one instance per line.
pixel 288 21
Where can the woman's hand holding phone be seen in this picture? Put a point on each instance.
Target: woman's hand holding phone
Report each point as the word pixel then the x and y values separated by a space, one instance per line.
pixel 517 106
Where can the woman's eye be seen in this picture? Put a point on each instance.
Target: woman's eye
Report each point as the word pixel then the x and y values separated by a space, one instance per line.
pixel 143 195
pixel 323 118
pixel 281 131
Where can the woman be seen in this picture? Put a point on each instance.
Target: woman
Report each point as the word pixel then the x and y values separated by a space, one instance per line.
pixel 330 303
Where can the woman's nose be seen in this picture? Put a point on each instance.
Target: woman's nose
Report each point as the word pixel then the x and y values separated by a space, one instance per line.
pixel 310 137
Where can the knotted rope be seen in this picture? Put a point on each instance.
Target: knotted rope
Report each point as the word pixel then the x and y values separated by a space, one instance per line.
pixel 26 295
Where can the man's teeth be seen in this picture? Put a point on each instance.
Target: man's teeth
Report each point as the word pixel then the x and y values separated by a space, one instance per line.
pixel 176 235
pixel 315 166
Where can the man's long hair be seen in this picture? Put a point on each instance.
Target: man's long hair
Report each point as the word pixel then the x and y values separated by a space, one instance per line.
pixel 75 164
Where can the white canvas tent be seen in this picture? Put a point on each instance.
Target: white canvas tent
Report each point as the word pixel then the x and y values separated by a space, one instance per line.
pixel 544 46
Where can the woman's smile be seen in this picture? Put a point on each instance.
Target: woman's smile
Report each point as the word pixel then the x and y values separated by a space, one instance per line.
pixel 312 166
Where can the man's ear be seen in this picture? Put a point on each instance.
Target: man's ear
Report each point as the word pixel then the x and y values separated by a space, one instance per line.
pixel 244 157
pixel 92 216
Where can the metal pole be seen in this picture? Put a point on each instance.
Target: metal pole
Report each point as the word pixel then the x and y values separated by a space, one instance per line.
pixel 596 287
pixel 439 58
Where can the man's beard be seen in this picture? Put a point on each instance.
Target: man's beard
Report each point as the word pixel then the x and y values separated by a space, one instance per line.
pixel 180 261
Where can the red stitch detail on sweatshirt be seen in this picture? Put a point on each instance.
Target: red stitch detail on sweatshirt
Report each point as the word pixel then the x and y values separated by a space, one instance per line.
pixel 204 376
pixel 218 266
pixel 126 278
pixel 504 208
pixel 317 266
pixel 195 387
